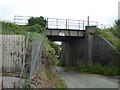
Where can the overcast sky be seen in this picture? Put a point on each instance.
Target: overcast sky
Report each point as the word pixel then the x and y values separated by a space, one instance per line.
pixel 103 11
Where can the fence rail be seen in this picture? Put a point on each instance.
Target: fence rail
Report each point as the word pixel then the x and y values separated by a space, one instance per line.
pixel 69 24
pixel 58 23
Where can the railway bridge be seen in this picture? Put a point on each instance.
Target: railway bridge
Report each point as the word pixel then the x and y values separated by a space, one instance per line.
pixel 76 43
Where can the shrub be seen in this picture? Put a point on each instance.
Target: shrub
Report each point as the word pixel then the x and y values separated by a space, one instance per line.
pixel 61 64
pixel 54 45
pixel 110 37
pixel 37 28
pixel 37 20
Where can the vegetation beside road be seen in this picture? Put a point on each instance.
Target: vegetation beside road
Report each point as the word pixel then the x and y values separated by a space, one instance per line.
pixel 35 26
pixel 93 68
pixel 113 36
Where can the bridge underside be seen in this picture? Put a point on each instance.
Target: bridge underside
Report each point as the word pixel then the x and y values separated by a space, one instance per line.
pixel 62 38
pixel 65 32
pixel 76 45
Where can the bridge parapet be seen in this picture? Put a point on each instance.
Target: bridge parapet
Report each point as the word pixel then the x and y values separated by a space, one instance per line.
pixel 70 24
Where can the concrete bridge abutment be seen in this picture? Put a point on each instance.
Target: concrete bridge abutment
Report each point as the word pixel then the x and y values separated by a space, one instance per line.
pixel 78 50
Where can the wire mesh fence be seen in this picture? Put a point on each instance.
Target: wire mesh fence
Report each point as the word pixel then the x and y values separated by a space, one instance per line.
pixel 31 65
pixel 30 54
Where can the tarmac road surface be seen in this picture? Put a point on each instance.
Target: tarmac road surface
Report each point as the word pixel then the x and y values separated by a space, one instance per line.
pixel 74 79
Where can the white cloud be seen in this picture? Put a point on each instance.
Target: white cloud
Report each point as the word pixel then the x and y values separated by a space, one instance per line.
pixel 103 11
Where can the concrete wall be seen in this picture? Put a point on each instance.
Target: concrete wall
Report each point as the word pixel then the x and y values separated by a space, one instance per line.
pixel 74 50
pixel 89 48
pixel 79 49
pixel 104 52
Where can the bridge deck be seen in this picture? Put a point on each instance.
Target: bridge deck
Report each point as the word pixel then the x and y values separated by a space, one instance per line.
pixel 60 29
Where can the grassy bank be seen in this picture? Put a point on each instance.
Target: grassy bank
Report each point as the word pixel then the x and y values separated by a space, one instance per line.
pixel 112 38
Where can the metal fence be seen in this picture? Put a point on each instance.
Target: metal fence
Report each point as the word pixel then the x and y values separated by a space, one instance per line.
pixel 21 20
pixel 34 49
pixel 69 24
pixel 55 23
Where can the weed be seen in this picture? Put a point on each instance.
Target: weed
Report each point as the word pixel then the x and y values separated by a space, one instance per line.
pixel 61 86
pixel 48 74
pixel 61 64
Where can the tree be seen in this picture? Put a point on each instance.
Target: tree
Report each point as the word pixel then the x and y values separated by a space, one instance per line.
pixel 37 20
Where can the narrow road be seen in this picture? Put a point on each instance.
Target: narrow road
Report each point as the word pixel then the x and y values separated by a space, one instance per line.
pixel 80 80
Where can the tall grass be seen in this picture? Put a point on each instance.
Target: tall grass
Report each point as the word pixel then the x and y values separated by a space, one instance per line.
pixel 96 68
pixel 48 74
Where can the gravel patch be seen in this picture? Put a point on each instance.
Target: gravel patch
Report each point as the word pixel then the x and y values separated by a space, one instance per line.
pixel 10 82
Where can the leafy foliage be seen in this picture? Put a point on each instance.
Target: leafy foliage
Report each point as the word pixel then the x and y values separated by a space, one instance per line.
pixel 50 50
pixel 117 27
pixel 54 45
pixel 37 20
pixel 37 28
pixel 110 37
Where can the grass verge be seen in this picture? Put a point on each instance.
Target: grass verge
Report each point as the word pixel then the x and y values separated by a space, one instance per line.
pixel 48 74
pixel 61 85
pixel 94 68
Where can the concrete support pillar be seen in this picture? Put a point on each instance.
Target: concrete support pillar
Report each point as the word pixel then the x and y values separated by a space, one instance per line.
pixel 74 50
pixel 78 49
pixel 90 47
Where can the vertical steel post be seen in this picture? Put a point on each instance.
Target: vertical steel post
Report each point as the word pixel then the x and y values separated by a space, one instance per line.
pixel 79 24
pixel 88 20
pixel 83 24
pixel 47 22
pixel 24 59
pixel 40 64
pixel 14 18
pixel 66 23
pixel 57 23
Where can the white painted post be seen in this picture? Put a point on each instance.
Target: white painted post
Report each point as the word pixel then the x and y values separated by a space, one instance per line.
pixel 119 10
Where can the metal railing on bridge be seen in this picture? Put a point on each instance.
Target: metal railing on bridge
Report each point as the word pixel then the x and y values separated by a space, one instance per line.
pixel 53 23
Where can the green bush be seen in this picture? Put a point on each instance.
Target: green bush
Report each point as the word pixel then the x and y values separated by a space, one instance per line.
pixel 61 64
pixel 37 20
pixel 54 59
pixel 94 32
pixel 37 28
pixel 54 45
pixel 110 37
